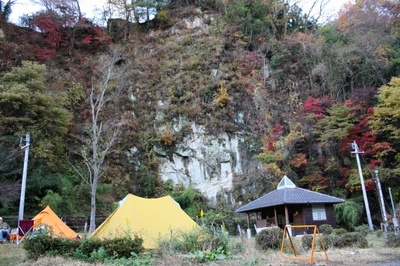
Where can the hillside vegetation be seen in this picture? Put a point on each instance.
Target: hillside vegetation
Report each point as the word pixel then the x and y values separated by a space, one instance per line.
pixel 301 90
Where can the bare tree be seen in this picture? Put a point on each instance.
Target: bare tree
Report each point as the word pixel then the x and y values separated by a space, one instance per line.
pixel 102 130
pixel 315 9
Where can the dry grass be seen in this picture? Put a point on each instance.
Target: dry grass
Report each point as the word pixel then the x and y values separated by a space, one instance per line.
pixel 47 261
pixel 245 253
pixel 11 254
pixel 376 254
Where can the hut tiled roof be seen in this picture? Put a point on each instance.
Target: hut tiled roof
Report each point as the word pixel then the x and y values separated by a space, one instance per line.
pixel 288 193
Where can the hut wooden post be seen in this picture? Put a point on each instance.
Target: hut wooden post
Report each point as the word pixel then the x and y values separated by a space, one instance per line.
pixel 287 220
pixel 248 225
pixel 286 215
pixel 276 217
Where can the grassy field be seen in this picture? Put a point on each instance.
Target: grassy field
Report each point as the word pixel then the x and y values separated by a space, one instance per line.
pixel 246 254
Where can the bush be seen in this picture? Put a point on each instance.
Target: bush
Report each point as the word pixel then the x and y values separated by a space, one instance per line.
pixel 269 239
pixel 327 241
pixel 326 229
pixel 362 229
pixel 306 241
pixel 346 240
pixel 393 240
pixel 42 244
pixel 88 250
pixel 379 233
pixel 339 231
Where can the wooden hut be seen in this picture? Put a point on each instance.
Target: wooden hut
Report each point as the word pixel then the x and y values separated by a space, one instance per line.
pixel 290 205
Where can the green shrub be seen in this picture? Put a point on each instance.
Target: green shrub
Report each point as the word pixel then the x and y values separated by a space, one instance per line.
pixel 306 241
pixel 145 259
pixel 327 241
pixel 88 250
pixel 362 243
pixel 346 240
pixel 269 239
pixel 393 240
pixel 339 231
pixel 362 229
pixel 122 247
pixel 326 229
pixel 379 233
pixel 43 244
pixel 163 19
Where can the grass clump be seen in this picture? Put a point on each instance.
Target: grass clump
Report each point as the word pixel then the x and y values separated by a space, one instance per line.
pixel 206 244
pixel 352 239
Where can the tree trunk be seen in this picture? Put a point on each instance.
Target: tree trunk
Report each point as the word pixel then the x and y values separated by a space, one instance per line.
pixel 92 226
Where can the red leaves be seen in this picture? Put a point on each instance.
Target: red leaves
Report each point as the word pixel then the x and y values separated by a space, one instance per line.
pixel 51 28
pixel 88 39
pixel 369 185
pixel 277 129
pixel 44 53
pixel 64 34
pixel 317 106
pixel 270 139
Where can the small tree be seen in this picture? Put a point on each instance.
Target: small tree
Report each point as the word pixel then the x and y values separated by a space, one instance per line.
pixel 104 124
pixel 348 213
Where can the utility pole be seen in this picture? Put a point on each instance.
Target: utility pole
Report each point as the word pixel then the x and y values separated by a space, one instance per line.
pixel 395 220
pixel 24 172
pixel 357 152
pixel 381 199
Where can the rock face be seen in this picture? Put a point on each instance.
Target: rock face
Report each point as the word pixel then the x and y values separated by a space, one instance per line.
pixel 208 163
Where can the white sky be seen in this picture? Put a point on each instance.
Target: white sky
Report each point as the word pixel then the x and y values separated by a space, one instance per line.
pixel 88 7
pixel 22 7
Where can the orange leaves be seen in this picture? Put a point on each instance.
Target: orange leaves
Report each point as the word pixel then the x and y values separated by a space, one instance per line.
pixel 222 97
pixel 299 160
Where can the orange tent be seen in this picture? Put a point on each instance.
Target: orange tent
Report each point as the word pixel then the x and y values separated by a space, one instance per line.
pixel 49 219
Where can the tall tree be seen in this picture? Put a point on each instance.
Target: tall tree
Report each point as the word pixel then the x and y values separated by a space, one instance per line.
pixel 386 122
pixel 104 123
pixel 29 102
pixel 6 9
pixel 28 105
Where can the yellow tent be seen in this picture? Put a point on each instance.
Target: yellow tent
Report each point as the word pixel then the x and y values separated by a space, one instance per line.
pixel 149 219
pixel 48 218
